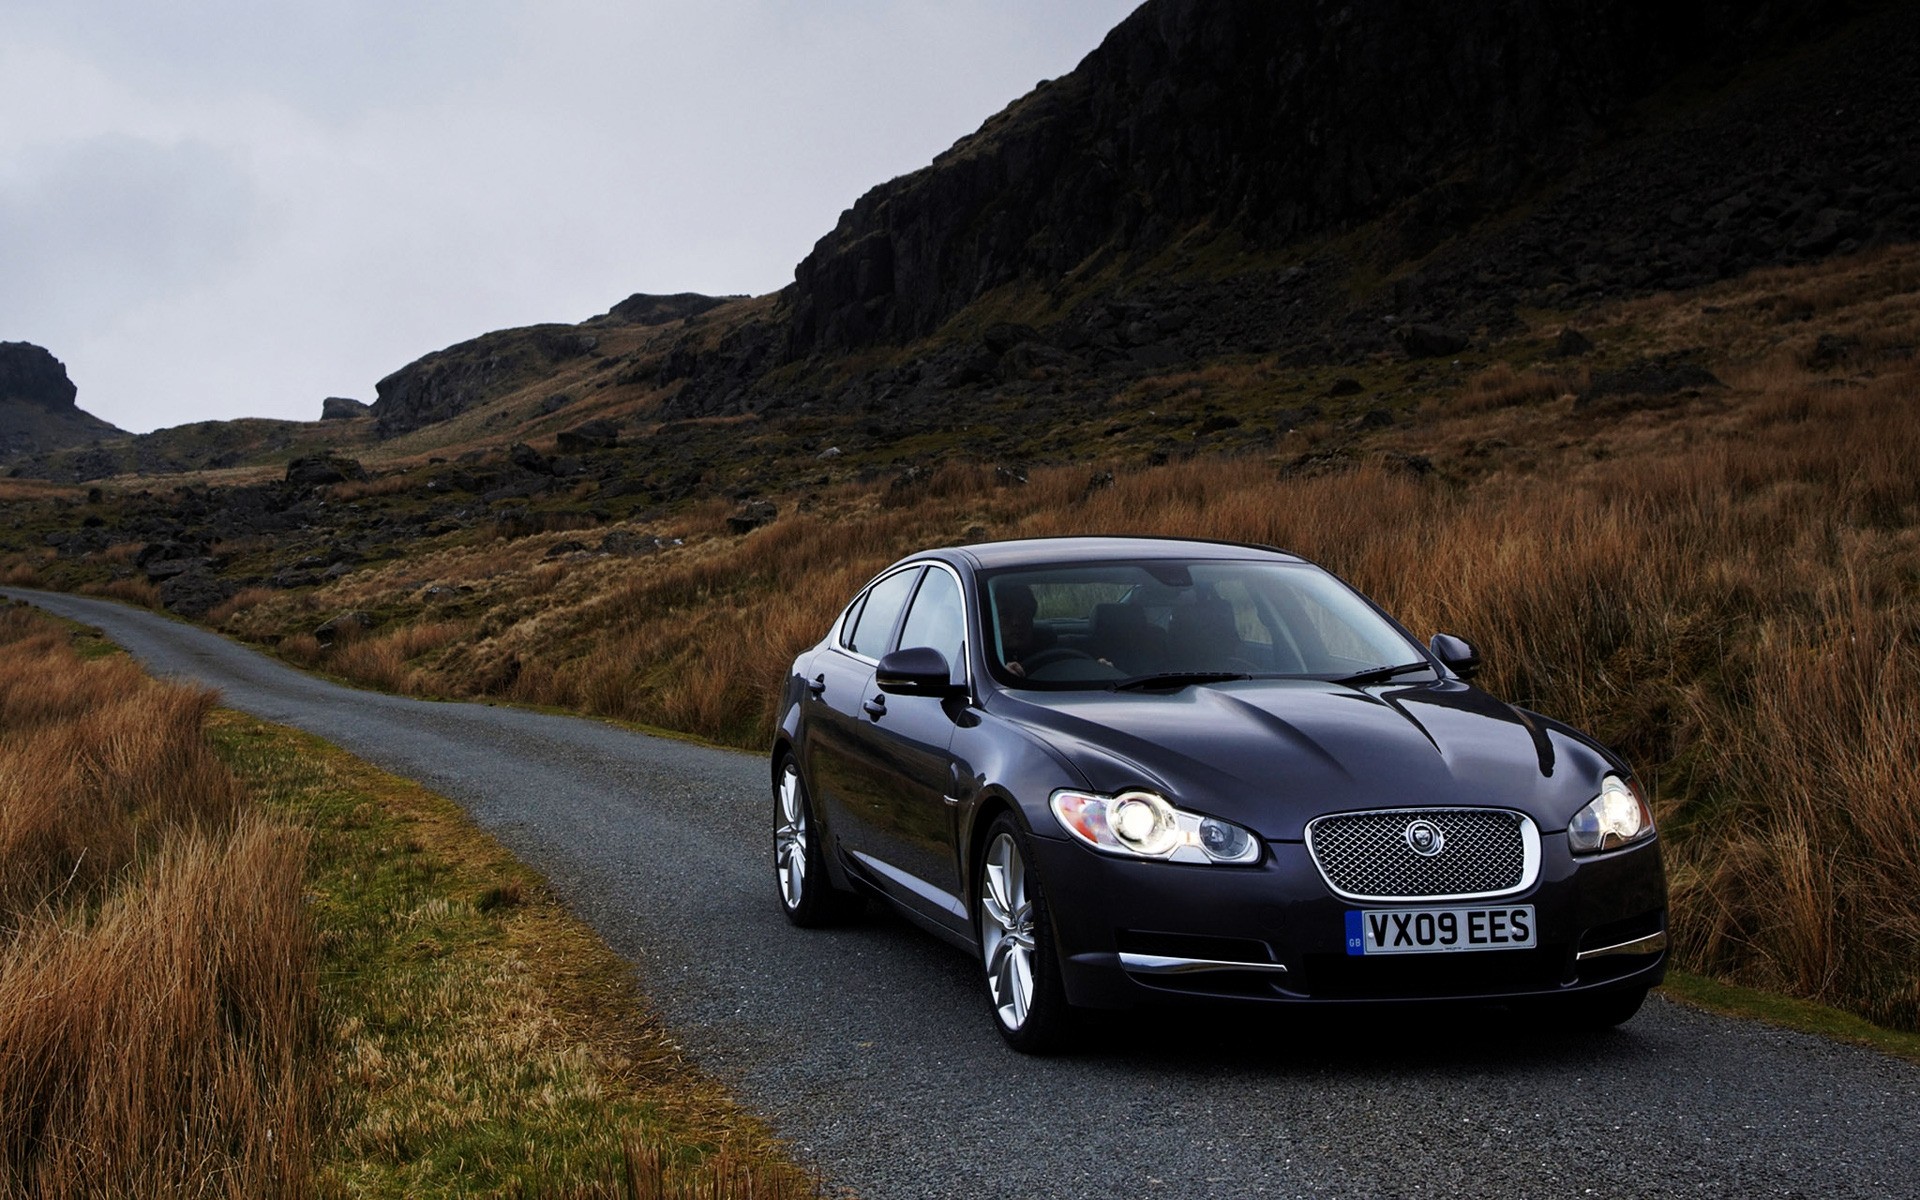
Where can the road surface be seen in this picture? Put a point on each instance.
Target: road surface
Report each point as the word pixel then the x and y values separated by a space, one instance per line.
pixel 872 1049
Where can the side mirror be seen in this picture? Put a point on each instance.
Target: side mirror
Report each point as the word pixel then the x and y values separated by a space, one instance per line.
pixel 915 671
pixel 1458 653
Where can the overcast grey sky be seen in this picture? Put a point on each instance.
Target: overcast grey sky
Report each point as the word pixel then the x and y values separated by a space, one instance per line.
pixel 225 208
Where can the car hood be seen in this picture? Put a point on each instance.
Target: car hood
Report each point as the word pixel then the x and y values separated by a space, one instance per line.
pixel 1274 754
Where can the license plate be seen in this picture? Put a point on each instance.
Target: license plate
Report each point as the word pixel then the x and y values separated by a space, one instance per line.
pixel 1439 930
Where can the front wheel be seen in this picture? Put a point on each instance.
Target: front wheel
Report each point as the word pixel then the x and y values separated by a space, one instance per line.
pixel 1016 945
pixel 806 894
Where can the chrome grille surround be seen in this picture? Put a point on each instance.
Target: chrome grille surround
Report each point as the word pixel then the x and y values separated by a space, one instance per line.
pixel 1488 852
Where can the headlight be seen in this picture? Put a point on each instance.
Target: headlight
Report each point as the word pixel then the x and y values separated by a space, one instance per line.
pixel 1142 825
pixel 1617 817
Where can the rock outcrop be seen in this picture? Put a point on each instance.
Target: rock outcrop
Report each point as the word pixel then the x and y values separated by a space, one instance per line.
pixel 29 374
pixel 37 409
pixel 447 382
pixel 644 309
pixel 1331 180
pixel 340 408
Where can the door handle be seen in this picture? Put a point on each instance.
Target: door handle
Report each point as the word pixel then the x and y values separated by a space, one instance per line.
pixel 876 707
pixel 818 684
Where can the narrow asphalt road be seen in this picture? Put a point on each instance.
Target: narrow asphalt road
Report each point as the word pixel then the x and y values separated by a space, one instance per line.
pixel 872 1049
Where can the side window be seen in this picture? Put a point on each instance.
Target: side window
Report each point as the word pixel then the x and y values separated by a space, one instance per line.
pixel 850 620
pixel 882 611
pixel 937 618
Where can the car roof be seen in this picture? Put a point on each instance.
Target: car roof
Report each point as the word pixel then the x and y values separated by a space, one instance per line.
pixel 1032 551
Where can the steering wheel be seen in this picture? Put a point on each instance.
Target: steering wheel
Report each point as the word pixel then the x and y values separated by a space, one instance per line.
pixel 1051 655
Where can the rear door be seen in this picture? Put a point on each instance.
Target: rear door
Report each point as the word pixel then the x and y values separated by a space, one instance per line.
pixel 837 695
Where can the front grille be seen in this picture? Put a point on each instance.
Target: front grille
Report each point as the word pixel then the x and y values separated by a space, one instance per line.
pixel 1487 851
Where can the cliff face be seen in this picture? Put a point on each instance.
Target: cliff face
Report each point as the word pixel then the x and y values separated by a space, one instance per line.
pixel 447 382
pixel 1276 119
pixel 31 375
pixel 37 410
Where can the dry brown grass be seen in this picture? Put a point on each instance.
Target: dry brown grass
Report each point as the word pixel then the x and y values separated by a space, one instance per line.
pixel 132 590
pixel 1501 386
pixel 156 984
pixel 385 659
pixel 37 489
pixel 241 600
pixel 396 483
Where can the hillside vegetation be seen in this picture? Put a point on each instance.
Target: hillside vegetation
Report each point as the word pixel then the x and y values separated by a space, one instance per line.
pixel 1720 577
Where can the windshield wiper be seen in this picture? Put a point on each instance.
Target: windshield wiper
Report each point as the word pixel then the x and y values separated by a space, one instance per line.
pixel 1382 674
pixel 1176 679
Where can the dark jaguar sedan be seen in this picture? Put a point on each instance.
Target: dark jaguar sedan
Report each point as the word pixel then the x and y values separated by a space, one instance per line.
pixel 1124 771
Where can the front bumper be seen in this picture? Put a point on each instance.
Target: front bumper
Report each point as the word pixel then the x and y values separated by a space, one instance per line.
pixel 1133 933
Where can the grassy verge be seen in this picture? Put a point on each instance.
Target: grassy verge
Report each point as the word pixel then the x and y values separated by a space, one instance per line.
pixel 1697 991
pixel 485 1042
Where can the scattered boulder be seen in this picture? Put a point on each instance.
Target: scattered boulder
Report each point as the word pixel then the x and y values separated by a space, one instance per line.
pixel 1668 375
pixel 340 408
pixel 1571 344
pixel 193 593
pixel 318 470
pixel 1429 341
pixel 626 541
pixel 752 516
pixel 601 434
pixel 559 549
pixel 528 459
pixel 171 568
pixel 345 627
pixel 1374 418
pixel 555 402
pixel 1344 386
pixel 1829 351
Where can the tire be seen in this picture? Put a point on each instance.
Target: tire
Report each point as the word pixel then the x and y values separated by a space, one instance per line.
pixel 1017 953
pixel 807 895
pixel 1606 1010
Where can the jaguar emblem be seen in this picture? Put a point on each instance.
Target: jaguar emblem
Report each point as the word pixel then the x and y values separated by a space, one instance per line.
pixel 1424 838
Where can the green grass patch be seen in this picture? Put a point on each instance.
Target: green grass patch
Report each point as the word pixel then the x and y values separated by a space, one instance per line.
pixel 482 1041
pixel 1804 1016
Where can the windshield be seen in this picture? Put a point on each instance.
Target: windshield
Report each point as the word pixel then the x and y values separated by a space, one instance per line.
pixel 1104 624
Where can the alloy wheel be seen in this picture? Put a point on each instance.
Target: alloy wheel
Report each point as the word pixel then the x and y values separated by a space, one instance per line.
pixel 790 840
pixel 1007 936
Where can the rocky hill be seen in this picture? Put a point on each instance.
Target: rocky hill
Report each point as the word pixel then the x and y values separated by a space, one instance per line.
pixel 1240 176
pixel 1343 191
pixel 37 408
